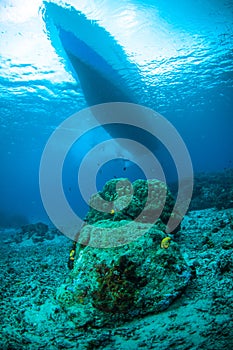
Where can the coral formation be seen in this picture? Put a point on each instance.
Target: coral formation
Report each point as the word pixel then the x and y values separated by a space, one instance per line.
pixel 33 274
pixel 213 190
pixel 119 283
pixel 117 286
pixel 38 232
pixel 124 280
pixel 144 200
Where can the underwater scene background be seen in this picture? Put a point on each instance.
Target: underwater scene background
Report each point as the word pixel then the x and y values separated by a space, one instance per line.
pixel 152 288
pixel 175 58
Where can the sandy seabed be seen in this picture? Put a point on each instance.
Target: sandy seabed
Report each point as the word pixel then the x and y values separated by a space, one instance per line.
pixel 202 318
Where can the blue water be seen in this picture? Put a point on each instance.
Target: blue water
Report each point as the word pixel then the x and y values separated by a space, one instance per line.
pixel 174 57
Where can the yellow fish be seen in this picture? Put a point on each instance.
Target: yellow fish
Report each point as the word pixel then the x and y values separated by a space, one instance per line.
pixel 165 242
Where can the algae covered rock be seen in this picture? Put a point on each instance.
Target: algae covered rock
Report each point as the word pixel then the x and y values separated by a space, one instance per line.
pixel 125 265
pixel 145 201
pixel 112 285
pixel 38 233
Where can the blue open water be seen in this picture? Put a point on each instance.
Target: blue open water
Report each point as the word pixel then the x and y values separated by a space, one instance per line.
pixel 173 56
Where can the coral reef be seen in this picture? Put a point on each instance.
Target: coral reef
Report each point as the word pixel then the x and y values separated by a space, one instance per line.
pixel 38 233
pixel 32 274
pixel 133 275
pixel 213 190
pixel 144 201
pixel 115 284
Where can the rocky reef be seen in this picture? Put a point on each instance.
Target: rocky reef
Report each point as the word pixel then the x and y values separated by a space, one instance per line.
pixel 41 300
pixel 213 190
pixel 124 266
pixel 143 201
pixel 38 233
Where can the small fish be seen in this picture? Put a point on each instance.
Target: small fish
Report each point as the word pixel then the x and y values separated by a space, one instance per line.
pixel 165 242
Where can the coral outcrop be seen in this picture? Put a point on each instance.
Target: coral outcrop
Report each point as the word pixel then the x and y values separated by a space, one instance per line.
pixel 143 201
pixel 122 281
pixel 38 233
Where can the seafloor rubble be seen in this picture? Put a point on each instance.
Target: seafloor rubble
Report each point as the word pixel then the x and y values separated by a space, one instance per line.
pixel 139 295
